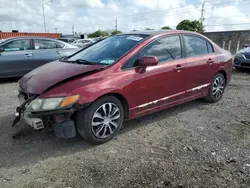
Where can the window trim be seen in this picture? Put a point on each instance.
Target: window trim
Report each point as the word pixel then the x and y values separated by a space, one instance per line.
pixel 197 36
pixel 46 40
pixel 160 37
pixel 7 42
pixel 209 43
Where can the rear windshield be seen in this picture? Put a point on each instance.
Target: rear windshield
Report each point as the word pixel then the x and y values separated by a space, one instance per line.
pixel 108 50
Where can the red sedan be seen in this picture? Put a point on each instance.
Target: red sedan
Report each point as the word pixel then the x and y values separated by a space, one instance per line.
pixel 122 77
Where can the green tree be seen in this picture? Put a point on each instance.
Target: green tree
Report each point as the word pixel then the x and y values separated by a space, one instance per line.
pixel 98 33
pixel 188 25
pixel 166 27
pixel 149 29
pixel 115 32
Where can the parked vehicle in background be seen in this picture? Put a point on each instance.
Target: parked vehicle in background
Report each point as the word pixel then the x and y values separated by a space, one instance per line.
pixel 83 43
pixel 20 55
pixel 67 40
pixel 97 39
pixel 122 77
pixel 242 59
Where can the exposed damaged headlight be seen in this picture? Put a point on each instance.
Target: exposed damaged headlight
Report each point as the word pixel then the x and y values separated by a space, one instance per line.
pixel 52 103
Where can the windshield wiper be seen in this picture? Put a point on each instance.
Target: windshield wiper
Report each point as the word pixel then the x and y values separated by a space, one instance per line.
pixel 79 61
pixel 82 61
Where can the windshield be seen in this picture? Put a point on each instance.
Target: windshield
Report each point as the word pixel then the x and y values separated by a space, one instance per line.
pixel 109 50
pixel 245 50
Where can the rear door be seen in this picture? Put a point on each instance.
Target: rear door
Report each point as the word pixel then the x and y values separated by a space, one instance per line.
pixel 200 58
pixel 16 57
pixel 161 84
pixel 44 52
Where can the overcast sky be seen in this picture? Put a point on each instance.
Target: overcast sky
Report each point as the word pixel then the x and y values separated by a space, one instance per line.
pixel 90 15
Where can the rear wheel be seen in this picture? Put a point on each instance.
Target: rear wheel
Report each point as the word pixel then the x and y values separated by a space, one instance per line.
pixel 217 88
pixel 101 121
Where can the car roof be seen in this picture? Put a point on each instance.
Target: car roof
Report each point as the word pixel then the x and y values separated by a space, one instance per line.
pixel 156 32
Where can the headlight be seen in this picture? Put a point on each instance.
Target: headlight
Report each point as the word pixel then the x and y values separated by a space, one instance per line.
pixel 52 103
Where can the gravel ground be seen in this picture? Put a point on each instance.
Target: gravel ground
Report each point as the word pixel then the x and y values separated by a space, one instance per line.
pixel 191 145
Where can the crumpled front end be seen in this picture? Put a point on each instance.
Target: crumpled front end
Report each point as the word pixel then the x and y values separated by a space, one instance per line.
pixel 55 113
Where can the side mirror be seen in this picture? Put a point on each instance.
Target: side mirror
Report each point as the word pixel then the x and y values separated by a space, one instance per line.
pixel 1 49
pixel 148 61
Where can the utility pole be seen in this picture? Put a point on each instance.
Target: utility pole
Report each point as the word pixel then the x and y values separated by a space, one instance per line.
pixel 202 12
pixel 73 29
pixel 44 22
pixel 116 24
pixel 56 30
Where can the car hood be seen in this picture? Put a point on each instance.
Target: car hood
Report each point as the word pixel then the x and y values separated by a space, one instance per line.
pixel 46 76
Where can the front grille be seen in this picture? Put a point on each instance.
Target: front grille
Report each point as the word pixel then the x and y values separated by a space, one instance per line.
pixel 247 56
pixel 245 64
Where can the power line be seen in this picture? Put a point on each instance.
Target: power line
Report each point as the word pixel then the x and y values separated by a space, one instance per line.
pixel 227 24
pixel 179 10
pixel 144 16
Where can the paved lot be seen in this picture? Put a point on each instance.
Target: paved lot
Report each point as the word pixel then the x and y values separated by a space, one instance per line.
pixel 192 145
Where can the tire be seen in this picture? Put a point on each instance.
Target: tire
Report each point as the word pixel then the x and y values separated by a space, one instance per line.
pixel 216 89
pixel 92 122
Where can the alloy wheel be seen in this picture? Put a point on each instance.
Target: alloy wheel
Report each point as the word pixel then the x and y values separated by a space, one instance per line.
pixel 105 120
pixel 218 87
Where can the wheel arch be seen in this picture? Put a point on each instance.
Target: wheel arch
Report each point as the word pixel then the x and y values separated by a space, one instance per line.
pixel 121 98
pixel 223 72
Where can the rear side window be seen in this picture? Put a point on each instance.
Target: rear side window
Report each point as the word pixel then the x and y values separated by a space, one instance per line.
pixel 44 44
pixel 60 45
pixel 165 49
pixel 17 45
pixel 195 46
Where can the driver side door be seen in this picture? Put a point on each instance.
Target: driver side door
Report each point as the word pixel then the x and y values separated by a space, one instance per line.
pixel 162 84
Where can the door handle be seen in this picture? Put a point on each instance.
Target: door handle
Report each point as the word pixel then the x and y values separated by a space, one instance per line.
pixel 28 55
pixel 58 52
pixel 179 67
pixel 210 61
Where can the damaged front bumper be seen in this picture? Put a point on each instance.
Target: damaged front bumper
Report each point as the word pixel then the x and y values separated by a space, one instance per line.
pixel 60 119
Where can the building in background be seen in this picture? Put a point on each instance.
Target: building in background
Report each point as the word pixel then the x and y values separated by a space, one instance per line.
pixel 4 35
pixel 232 41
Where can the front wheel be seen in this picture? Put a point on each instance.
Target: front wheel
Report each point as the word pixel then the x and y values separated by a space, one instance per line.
pixel 217 88
pixel 101 121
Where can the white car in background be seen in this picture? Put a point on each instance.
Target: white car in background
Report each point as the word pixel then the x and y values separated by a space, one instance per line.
pixel 82 43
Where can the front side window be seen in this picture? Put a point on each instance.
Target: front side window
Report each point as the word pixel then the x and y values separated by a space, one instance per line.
pixel 17 45
pixel 165 49
pixel 108 50
pixel 195 46
pixel 44 44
